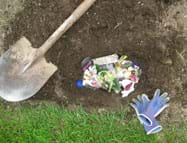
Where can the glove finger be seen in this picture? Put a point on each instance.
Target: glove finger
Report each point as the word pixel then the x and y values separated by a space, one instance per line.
pixel 165 94
pixel 135 108
pixel 145 98
pixel 134 100
pixel 140 98
pixel 165 97
pixel 157 93
pixel 146 101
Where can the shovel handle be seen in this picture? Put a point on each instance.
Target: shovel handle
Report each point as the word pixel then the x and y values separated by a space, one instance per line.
pixel 78 12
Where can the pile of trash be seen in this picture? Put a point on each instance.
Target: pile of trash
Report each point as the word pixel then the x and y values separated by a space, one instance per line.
pixel 111 73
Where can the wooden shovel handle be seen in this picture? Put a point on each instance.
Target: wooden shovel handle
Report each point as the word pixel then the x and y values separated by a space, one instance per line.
pixel 78 12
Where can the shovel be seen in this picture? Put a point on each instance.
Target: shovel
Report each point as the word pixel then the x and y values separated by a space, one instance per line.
pixel 24 70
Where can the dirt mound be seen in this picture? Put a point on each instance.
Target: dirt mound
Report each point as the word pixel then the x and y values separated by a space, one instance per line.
pixel 136 28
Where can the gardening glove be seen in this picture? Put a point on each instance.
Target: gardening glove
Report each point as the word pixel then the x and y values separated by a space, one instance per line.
pixel 154 108
pixel 140 105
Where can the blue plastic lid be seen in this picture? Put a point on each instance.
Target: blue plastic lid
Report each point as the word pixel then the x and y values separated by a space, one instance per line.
pixel 79 83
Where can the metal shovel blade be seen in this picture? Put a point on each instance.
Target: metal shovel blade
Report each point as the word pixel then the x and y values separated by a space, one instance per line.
pixel 16 85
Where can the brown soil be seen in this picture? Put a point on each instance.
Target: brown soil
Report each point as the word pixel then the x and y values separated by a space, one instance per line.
pixel 132 27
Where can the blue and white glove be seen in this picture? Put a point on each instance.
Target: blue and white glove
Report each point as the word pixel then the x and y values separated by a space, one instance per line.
pixel 154 108
pixel 140 105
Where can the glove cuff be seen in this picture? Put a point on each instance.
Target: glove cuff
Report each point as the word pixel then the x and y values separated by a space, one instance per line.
pixel 145 119
pixel 153 130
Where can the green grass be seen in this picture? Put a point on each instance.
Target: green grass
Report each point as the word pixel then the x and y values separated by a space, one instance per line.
pixel 53 124
pixel 176 133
